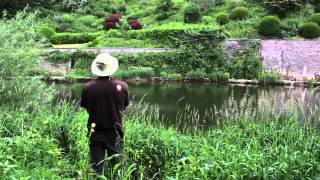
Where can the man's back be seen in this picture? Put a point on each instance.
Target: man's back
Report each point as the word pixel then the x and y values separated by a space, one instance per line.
pixel 104 99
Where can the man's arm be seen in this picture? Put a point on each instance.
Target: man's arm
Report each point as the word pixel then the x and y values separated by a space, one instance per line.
pixel 83 101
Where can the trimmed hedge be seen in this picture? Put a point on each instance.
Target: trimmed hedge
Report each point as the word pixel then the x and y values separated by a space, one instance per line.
pixel 73 38
pixel 315 18
pixel 175 35
pixel 269 26
pixel 310 30
pixel 222 18
pixel 239 13
pixel 46 32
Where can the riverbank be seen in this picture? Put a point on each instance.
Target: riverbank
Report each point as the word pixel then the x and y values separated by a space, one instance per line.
pixel 53 145
pixel 61 79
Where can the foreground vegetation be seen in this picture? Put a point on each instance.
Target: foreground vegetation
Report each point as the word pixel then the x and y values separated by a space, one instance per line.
pixel 45 138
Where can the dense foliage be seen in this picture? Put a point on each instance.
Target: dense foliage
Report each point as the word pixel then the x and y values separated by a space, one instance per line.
pixel 191 13
pixel 315 18
pixel 269 26
pixel 282 7
pixel 239 13
pixel 222 18
pixel 71 38
pixel 310 30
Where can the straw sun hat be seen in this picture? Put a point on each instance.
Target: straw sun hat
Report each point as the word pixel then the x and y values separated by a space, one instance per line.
pixel 104 65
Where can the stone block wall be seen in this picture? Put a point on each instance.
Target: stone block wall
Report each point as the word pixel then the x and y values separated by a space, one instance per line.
pixel 293 59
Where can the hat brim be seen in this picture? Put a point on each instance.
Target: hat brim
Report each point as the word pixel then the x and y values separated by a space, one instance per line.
pixel 111 66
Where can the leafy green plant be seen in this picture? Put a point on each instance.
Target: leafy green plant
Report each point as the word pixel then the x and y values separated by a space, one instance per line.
pixel 191 13
pixel 310 30
pixel 207 19
pixel 315 18
pixel 219 76
pixel 268 76
pixel 222 18
pixel 113 33
pixel 317 8
pixel 239 13
pixel 46 32
pixel 135 72
pixel 196 74
pixel 269 26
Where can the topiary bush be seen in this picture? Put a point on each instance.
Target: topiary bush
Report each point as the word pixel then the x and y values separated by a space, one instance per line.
pixel 46 32
pixel 310 30
pixel 222 18
pixel 239 13
pixel 269 26
pixel 191 13
pixel 315 18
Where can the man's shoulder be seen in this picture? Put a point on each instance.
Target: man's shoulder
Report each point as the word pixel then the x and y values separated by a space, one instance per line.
pixel 119 82
pixel 90 83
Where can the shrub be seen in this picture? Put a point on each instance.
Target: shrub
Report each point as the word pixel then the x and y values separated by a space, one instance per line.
pixel 239 13
pixel 114 33
pixel 269 26
pixel 282 7
pixel 191 13
pixel 196 74
pixel 315 18
pixel 163 6
pixel 268 76
pixel 134 24
pixel 219 76
pixel 171 75
pixel 175 34
pixel 222 18
pixel 112 21
pixel 207 19
pixel 135 72
pixel 46 31
pixel 310 30
pixel 72 38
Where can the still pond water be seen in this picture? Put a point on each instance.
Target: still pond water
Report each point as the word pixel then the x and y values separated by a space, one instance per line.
pixel 182 102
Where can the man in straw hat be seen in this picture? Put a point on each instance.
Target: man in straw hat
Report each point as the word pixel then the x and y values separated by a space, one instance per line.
pixel 104 99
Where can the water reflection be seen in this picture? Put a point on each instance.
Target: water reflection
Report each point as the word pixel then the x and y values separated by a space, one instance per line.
pixel 180 103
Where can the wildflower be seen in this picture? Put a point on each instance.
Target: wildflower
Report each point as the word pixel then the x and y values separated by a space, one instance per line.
pixel 93 125
pixel 92 130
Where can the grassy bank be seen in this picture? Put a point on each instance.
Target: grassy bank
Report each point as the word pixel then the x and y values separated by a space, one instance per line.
pixel 51 143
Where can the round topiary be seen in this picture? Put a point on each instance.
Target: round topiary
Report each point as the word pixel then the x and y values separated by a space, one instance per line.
pixel 315 18
pixel 222 18
pixel 310 30
pixel 239 13
pixel 191 13
pixel 269 26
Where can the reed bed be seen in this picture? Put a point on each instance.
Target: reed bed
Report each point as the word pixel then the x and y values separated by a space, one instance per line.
pixel 254 138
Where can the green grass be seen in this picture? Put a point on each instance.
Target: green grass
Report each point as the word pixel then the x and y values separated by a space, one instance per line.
pixel 244 145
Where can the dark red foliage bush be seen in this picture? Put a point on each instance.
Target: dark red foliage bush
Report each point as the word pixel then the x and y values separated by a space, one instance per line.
pixel 134 24
pixel 112 21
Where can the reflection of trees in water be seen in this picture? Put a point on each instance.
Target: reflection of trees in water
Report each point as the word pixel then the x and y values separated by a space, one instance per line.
pixel 196 103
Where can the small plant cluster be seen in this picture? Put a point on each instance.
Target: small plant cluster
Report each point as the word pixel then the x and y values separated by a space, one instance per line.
pixel 237 13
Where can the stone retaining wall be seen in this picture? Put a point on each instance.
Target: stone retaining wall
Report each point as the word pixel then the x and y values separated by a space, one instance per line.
pixel 294 59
